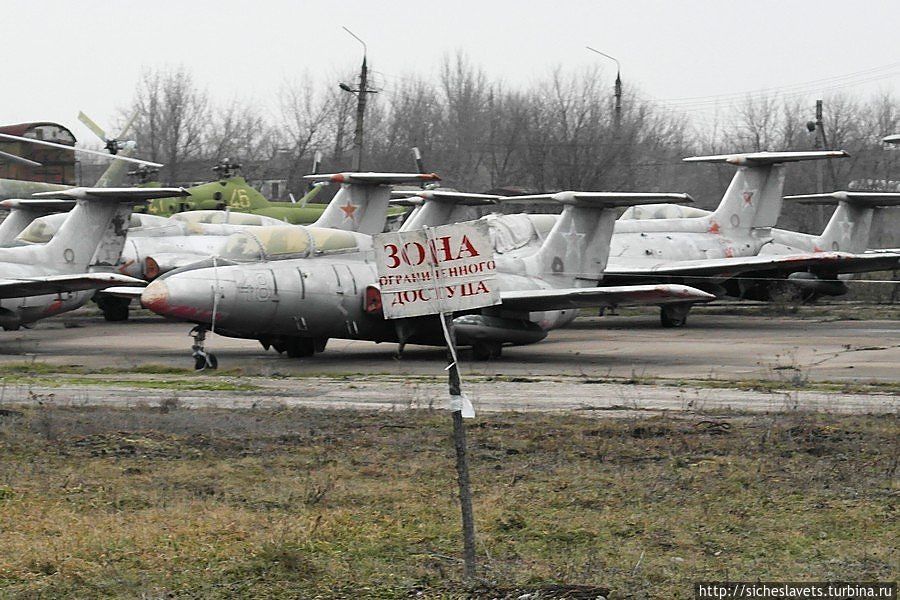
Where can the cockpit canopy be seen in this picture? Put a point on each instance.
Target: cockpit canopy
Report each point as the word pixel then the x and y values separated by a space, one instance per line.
pixel 509 232
pixel 219 217
pixel 288 241
pixel 42 229
pixel 662 211
pixel 145 221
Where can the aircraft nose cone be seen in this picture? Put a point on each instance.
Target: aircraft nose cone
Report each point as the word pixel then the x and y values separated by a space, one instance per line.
pixel 184 296
pixel 155 297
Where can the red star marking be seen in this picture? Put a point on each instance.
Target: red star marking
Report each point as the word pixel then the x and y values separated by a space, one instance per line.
pixel 729 252
pixel 714 227
pixel 748 198
pixel 348 209
pixel 817 249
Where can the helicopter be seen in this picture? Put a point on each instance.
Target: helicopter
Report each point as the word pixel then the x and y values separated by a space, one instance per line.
pixel 232 192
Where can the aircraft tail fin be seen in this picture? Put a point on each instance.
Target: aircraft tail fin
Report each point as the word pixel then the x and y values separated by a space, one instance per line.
pixel 362 202
pixel 754 196
pixel 439 207
pixel 577 247
pixel 93 235
pixel 851 223
pixel 23 212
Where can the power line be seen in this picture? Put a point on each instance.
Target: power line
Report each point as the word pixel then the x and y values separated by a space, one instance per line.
pixel 812 85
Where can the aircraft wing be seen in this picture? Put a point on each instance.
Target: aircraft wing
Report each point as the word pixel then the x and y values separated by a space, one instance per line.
pixel 828 263
pixel 560 299
pixel 55 284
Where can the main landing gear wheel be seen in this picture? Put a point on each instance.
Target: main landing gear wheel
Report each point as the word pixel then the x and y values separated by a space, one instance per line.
pixel 209 361
pixel 300 347
pixel 486 350
pixel 674 315
pixel 202 358
pixel 114 309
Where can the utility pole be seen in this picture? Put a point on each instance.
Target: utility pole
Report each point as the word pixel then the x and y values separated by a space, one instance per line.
pixel 821 143
pixel 361 95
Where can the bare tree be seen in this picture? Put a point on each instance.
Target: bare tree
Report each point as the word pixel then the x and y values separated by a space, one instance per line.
pixel 172 118
pixel 304 127
pixel 238 131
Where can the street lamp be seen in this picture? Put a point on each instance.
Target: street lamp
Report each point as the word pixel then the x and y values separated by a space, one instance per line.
pixel 618 88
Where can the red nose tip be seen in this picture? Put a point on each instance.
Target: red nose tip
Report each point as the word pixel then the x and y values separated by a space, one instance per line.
pixel 155 297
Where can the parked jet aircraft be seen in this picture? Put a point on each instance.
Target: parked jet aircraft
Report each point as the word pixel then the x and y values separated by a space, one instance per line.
pixel 847 230
pixel 330 288
pixel 710 252
pixel 154 244
pixel 41 281
pixel 164 244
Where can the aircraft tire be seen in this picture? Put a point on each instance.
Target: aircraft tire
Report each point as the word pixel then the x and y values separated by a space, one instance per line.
pixel 300 347
pixel 673 315
pixel 206 362
pixel 114 309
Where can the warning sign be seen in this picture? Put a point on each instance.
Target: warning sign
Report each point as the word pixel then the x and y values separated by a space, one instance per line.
pixel 441 269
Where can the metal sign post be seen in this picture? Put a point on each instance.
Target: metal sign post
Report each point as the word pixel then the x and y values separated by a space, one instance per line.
pixel 459 443
pixel 438 271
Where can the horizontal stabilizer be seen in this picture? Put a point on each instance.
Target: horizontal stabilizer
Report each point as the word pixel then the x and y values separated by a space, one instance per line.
pixel 119 194
pixel 56 284
pixel 891 139
pixel 598 199
pixel 374 178
pixel 861 199
pixel 561 299
pixel 47 206
pixel 416 197
pixel 761 159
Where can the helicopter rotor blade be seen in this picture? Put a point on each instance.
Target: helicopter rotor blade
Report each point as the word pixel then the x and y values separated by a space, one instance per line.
pixel 84 150
pixel 90 124
pixel 128 125
pixel 19 159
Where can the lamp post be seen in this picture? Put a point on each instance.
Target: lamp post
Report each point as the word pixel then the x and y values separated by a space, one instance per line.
pixel 618 88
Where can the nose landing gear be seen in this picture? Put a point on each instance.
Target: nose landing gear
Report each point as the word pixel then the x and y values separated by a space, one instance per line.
pixel 202 358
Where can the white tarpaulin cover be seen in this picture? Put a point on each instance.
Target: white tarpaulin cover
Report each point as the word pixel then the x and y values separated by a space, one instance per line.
pixel 441 269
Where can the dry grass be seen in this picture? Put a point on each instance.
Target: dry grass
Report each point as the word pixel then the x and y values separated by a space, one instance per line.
pixel 303 503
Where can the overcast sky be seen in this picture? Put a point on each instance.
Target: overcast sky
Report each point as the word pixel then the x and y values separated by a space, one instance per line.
pixel 62 56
